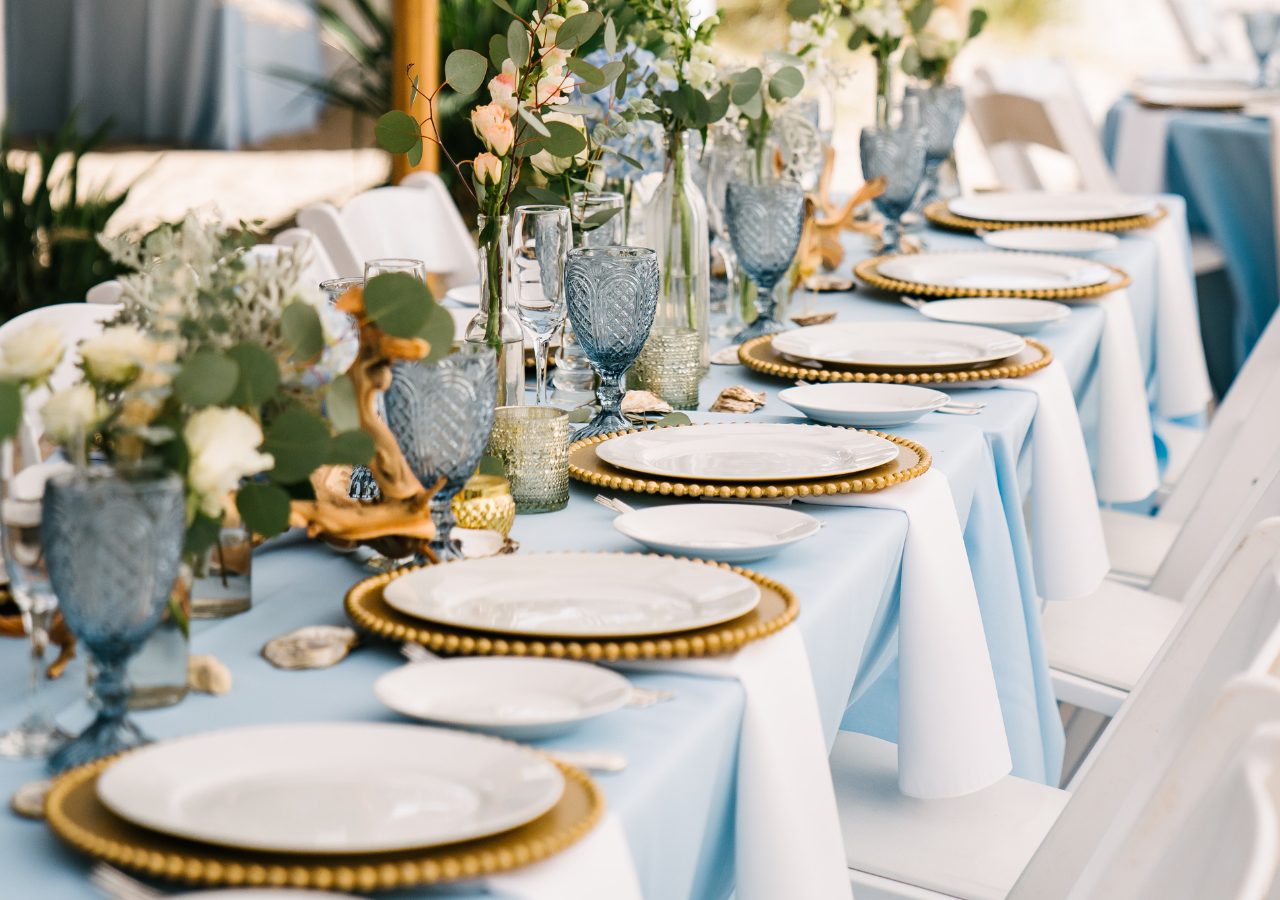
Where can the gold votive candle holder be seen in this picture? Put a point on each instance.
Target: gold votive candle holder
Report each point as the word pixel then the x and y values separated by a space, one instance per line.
pixel 533 444
pixel 669 365
pixel 485 503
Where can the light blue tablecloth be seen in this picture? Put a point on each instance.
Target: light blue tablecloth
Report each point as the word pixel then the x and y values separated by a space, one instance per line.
pixel 169 71
pixel 676 797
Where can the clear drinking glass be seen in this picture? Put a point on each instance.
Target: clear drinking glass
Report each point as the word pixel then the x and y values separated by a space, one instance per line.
pixel 533 444
pixel 336 287
pixel 37 736
pixel 540 239
pixel 899 155
pixel 728 164
pixel 113 540
pixel 765 221
pixel 941 109
pixel 441 414
pixel 613 295
pixel 415 267
pixel 1263 27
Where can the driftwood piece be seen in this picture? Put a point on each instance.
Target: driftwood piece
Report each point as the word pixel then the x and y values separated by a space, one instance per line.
pixel 59 633
pixel 830 220
pixel 402 513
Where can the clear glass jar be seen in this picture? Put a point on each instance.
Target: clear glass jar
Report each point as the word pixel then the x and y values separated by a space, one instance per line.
pixel 222 576
pixel 497 325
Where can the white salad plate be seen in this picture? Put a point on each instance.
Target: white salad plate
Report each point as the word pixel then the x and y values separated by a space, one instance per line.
pixel 523 699
pixel 724 532
pixel 897 344
pixel 995 270
pixel 1051 240
pixel 574 594
pixel 1038 206
pixel 341 787
pixel 1005 313
pixel 733 452
pixel 466 294
pixel 866 405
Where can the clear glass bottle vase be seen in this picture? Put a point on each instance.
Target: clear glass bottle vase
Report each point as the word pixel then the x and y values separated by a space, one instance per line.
pixel 497 325
pixel 677 227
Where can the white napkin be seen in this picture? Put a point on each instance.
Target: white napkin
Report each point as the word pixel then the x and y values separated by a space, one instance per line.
pixel 1141 148
pixel 1182 377
pixel 951 737
pixel 597 867
pixel 788 829
pixel 1068 549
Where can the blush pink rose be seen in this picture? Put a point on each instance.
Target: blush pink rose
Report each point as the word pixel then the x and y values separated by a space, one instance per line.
pixel 492 126
pixel 488 168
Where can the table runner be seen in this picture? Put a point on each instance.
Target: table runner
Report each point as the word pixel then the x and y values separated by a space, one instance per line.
pixel 598 866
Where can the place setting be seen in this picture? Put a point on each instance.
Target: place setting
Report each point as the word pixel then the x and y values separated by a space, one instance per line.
pixel 1020 210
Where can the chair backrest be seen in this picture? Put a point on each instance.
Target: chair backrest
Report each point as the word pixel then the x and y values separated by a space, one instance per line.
pixel 106 292
pixel 325 222
pixel 1198 23
pixel 1035 102
pixel 416 224
pixel 1217 637
pixel 318 265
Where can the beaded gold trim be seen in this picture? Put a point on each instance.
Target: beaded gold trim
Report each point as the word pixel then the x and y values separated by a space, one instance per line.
pixel 76 815
pixel 940 215
pixel 777 608
pixel 867 271
pixel 585 465
pixel 758 355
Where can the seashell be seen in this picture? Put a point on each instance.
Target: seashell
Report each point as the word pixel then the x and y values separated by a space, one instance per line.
pixel 644 402
pixel 208 675
pixel 312 647
pixel 726 356
pixel 28 800
pixel 814 318
pixel 824 282
pixel 478 542
pixel 738 399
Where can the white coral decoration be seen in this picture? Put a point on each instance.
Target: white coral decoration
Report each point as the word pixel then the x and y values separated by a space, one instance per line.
pixel 223 444
pixel 72 412
pixel 117 353
pixel 32 353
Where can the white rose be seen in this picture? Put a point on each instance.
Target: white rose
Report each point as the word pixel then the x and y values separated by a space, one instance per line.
pixel 706 53
pixel 575 7
pixel 223 444
pixel 547 28
pixel 32 353
pixel 666 69
pixel 73 411
pixel 557 165
pixel 699 73
pixel 117 353
pixel 942 35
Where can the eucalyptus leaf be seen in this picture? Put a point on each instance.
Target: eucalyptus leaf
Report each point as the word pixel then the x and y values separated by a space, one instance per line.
pixel 574 110
pixel 303 334
pixel 788 59
pixel 350 448
pixel 259 374
pixel 438 332
pixel 202 533
pixel 701 109
pixel 264 508
pixel 577 30
pixel 612 70
pixel 340 404
pixel 745 86
pixel 588 88
pixel 586 71
pixel 977 19
pixel 565 140
pixel 299 442
pixel 491 465
pixel 610 37
pixel 583 414
pixel 526 148
pixel 464 70
pixel 800 9
pixel 518 44
pixel 859 37
pixel 753 107
pixel 719 103
pixel 414 156
pixel 545 196
pixel 911 62
pixel 206 379
pixel 399 303
pixel 920 14
pixel 672 418
pixel 397 131
pixel 630 161
pixel 785 83
pixel 600 216
pixel 10 409
pixel 498 51
pixel 532 118
pixel 504 6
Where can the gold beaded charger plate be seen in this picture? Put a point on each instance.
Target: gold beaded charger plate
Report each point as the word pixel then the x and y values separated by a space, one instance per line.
pixel 868 271
pixel 758 355
pixel 74 813
pixel 776 608
pixel 940 215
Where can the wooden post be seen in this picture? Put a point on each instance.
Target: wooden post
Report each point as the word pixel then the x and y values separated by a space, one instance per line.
pixel 414 30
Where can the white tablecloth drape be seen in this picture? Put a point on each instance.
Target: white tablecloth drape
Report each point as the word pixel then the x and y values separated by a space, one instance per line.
pixel 596 867
pixel 1141 146
pixel 951 736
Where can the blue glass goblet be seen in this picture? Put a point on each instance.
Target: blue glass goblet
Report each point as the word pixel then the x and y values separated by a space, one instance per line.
pixel 898 154
pixel 1262 27
pixel 113 540
pixel 613 295
pixel 941 109
pixel 765 221
pixel 441 414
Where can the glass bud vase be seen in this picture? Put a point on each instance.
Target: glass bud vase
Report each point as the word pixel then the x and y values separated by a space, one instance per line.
pixel 678 229
pixel 496 325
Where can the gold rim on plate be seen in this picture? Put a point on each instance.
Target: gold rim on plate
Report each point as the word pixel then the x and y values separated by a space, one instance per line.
pixel 74 813
pixel 758 355
pixel 867 270
pixel 777 608
pixel 940 215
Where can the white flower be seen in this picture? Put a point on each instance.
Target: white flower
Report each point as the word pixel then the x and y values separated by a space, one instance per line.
pixel 223 444
pixel 73 411
pixel 942 36
pixel 547 28
pixel 699 73
pixel 882 18
pixel 547 91
pixel 32 353
pixel 117 353
pixel 575 7
pixel 706 53
pixel 666 69
pixel 556 165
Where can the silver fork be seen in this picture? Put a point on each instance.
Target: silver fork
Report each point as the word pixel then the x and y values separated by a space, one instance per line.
pixel 614 504
pixel 119 886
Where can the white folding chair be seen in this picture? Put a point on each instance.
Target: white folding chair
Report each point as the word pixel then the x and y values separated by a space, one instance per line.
pixel 105 292
pixel 318 266
pixel 1200 25
pixel 1027 841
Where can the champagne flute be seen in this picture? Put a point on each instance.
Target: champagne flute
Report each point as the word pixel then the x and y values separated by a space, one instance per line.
pixel 540 241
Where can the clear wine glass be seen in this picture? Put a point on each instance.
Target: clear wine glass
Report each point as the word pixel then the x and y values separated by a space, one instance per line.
pixel 37 736
pixel 899 155
pixel 729 163
pixel 540 241
pixel 1263 27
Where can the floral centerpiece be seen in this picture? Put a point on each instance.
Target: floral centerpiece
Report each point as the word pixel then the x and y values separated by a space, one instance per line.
pixel 939 30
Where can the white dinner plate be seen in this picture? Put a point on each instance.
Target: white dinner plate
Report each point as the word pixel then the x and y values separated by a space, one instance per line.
pixel 724 532
pixel 574 594
pixel 995 270
pixel 466 294
pixel 1201 93
pixel 897 344
pixel 1051 240
pixel 261 894
pixel 866 405
pixel 733 452
pixel 524 699
pixel 338 787
pixel 1006 313
pixel 1038 206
